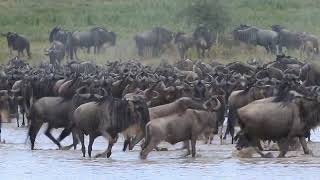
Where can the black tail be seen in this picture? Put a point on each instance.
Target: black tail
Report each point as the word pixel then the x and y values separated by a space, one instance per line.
pixel 28 50
pixel 147 137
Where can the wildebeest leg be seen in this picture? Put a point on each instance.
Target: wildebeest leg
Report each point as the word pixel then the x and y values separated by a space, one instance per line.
pixel 112 139
pixel 49 135
pixel 126 143
pixel 74 139
pixel 283 147
pixel 33 131
pixel 92 137
pixel 303 142
pixel 307 135
pixel 81 139
pixel 193 146
pixel 150 145
pixel 198 51
pixel 221 133
pixel 136 140
pixel 75 53
pixel 63 135
pixel 188 149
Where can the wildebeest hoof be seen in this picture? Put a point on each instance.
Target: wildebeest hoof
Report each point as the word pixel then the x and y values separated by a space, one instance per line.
pixel 108 154
pixel 268 155
pixel 143 156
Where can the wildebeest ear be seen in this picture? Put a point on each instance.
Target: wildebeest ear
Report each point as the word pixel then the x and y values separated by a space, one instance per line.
pixel 4 34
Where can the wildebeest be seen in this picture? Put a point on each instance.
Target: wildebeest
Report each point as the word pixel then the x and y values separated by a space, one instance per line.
pixel 288 39
pixel 184 42
pixel 238 99
pixel 57 112
pixel 56 53
pixel 183 126
pixel 18 43
pixel 155 39
pixel 309 74
pixel 257 36
pixel 58 34
pixel 204 40
pixel 269 119
pixel 95 37
pixel 108 117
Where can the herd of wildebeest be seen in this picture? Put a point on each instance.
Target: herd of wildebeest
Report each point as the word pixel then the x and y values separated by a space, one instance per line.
pixel 66 43
pixel 184 101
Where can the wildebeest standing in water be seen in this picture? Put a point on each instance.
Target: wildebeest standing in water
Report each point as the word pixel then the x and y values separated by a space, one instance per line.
pixel 281 121
pixel 155 39
pixel 57 112
pixel 56 53
pixel 18 43
pixel 183 126
pixel 108 117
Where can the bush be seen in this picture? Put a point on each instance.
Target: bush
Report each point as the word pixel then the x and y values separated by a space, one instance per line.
pixel 212 13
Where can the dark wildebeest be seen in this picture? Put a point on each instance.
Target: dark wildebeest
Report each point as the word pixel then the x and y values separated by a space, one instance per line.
pixel 281 121
pixel 154 39
pixel 56 53
pixel 108 117
pixel 58 34
pixel 96 37
pixel 238 99
pixel 183 126
pixel 257 36
pixel 184 42
pixel 18 43
pixel 204 40
pixel 309 74
pixel 287 38
pixel 57 112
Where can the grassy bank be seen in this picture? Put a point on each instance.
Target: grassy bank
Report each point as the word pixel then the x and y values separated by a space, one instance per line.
pixel 35 18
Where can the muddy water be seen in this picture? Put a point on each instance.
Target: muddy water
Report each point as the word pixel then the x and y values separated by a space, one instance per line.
pixel 17 161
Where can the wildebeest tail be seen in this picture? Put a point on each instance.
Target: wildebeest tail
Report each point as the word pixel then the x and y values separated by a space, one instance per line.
pixel 28 50
pixel 147 136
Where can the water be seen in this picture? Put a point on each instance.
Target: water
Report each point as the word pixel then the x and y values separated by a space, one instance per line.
pixel 17 161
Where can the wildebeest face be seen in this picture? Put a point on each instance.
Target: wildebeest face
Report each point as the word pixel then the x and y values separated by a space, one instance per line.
pixel 213 104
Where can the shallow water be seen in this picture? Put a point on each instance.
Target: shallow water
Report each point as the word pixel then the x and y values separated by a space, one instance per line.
pixel 17 161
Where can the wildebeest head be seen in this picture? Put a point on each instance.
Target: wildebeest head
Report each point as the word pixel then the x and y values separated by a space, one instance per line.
pixel 11 37
pixel 138 108
pixel 277 28
pixel 212 104
pixel 53 32
pixel 199 90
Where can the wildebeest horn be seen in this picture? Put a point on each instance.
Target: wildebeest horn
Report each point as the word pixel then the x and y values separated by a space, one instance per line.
pixel 216 108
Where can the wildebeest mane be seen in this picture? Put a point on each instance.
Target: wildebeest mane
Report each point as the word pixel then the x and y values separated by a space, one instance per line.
pixel 53 31
pixel 310 113
pixel 120 114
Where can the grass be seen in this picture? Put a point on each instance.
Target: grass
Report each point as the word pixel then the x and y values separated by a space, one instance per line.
pixel 35 18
